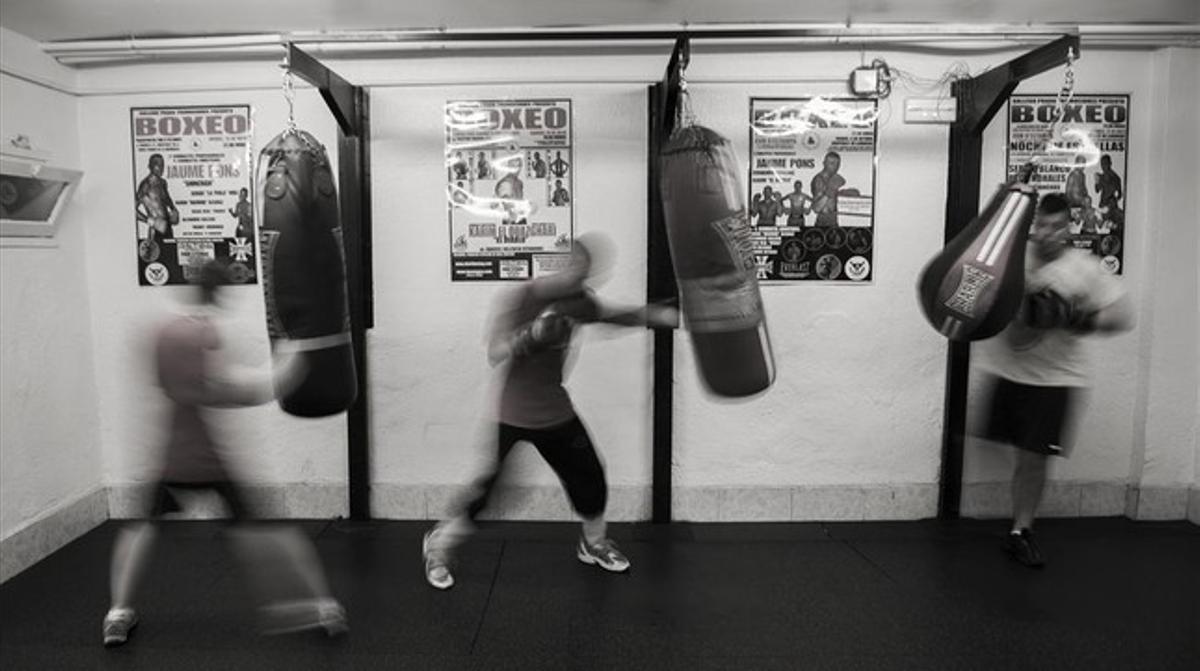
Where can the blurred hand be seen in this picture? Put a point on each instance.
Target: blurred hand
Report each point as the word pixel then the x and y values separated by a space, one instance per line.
pixel 662 316
pixel 290 371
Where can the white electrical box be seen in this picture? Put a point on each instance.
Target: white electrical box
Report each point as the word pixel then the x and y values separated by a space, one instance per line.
pixel 929 110
pixel 864 81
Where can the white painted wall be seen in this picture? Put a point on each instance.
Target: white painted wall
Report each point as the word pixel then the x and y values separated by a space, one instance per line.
pixel 1171 425
pixel 431 421
pixel 857 407
pixel 273 449
pixel 48 451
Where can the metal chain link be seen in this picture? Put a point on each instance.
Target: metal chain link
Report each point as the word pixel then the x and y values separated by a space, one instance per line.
pixel 1066 93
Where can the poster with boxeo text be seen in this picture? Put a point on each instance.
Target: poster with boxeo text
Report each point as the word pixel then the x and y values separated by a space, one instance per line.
pixel 193 192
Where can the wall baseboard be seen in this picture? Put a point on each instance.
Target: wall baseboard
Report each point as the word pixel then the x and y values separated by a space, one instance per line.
pixel 1157 503
pixel 1083 499
pixel 45 534
pixel 282 501
pixel 628 503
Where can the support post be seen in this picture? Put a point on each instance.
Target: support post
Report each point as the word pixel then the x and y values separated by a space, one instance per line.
pixel 978 99
pixel 349 105
pixel 660 281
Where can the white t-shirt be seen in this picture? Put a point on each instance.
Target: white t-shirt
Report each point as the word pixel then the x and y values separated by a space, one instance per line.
pixel 1052 357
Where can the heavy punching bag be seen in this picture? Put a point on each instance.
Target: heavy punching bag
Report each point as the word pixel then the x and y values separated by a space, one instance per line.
pixel 304 272
pixel 709 233
pixel 973 288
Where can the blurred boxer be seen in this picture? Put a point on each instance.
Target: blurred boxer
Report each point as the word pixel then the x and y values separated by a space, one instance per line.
pixel 282 564
pixel 1040 361
pixel 530 338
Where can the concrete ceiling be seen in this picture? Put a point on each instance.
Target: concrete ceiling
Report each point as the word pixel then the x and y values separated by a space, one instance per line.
pixel 55 20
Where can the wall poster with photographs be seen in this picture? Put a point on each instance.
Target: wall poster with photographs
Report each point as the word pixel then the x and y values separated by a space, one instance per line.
pixel 1086 160
pixel 812 185
pixel 510 187
pixel 193 192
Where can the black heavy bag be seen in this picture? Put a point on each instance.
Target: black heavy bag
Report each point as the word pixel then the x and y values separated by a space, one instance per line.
pixel 709 235
pixel 304 272
pixel 973 288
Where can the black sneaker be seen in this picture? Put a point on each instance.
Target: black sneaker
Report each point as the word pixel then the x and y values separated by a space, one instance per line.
pixel 1022 548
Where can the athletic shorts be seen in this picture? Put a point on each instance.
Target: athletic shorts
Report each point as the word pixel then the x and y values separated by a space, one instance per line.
pixel 1030 417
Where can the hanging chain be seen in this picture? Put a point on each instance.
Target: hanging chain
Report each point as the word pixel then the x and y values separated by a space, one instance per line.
pixel 289 94
pixel 1065 94
pixel 683 109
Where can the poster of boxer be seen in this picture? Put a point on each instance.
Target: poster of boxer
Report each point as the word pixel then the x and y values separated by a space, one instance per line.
pixel 812 185
pixel 510 187
pixel 1086 160
pixel 193 191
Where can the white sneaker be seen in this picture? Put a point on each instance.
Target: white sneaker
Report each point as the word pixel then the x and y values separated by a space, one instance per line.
pixel 603 554
pixel 286 617
pixel 437 563
pixel 117 625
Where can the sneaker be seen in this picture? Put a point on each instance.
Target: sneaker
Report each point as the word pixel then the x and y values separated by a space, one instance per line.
pixel 1022 548
pixel 117 625
pixel 287 617
pixel 437 563
pixel 603 554
pixel 333 619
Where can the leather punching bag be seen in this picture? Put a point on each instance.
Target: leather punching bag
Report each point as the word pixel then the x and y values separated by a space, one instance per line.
pixel 973 288
pixel 709 233
pixel 304 272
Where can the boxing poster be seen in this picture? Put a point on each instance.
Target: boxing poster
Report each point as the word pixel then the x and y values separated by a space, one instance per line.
pixel 812 185
pixel 193 192
pixel 1085 160
pixel 510 187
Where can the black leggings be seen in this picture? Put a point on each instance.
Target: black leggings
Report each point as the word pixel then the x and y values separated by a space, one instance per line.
pixel 569 451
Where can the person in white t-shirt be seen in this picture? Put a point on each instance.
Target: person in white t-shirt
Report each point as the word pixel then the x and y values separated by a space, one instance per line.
pixel 1041 362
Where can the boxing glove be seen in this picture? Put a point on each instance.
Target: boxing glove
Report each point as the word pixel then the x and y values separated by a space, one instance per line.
pixel 710 239
pixel 304 273
pixel 1046 309
pixel 549 330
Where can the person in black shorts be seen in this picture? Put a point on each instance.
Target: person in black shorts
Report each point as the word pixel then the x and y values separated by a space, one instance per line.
pixel 1040 362
pixel 531 338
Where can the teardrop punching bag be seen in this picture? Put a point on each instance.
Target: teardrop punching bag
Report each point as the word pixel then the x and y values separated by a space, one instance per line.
pixel 973 288
pixel 304 272
pixel 709 234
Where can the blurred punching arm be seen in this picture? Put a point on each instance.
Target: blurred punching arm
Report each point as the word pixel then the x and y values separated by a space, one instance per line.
pixel 655 316
pixel 235 386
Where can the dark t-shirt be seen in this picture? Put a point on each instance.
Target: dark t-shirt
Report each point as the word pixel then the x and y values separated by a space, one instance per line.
pixel 182 351
pixel 533 395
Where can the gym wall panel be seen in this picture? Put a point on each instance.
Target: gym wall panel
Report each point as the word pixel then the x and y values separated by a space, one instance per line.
pixel 852 428
pixel 300 460
pixel 433 393
pixel 51 478
pixel 49 454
